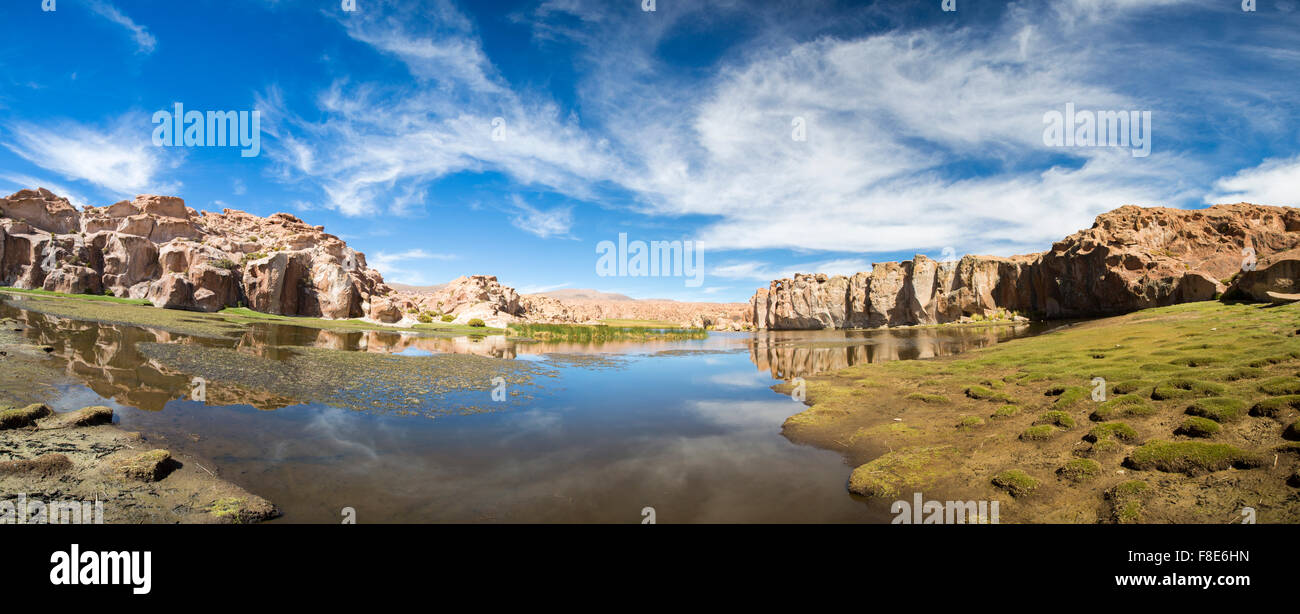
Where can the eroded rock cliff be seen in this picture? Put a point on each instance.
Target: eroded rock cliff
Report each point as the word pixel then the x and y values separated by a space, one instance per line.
pixel 156 248
pixel 1131 258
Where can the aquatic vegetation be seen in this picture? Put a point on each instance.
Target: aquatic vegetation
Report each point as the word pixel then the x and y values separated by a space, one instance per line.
pixel 585 333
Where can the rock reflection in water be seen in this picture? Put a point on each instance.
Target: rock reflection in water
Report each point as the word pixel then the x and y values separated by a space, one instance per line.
pixel 790 354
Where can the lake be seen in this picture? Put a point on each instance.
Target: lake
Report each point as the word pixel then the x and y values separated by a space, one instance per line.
pixel 405 428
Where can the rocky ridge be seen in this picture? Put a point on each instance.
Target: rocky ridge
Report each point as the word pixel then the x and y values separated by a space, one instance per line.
pixel 1131 258
pixel 156 248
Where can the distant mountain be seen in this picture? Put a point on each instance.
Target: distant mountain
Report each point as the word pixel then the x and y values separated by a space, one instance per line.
pixel 417 289
pixel 578 294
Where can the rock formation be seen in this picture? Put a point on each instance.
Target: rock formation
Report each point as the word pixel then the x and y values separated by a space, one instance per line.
pixel 156 248
pixel 1131 258
pixel 474 297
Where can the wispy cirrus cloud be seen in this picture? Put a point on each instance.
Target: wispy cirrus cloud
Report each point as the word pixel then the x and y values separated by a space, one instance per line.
pixel 144 41
pixel 119 158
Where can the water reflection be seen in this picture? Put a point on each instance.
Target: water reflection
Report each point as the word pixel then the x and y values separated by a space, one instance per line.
pixel 689 427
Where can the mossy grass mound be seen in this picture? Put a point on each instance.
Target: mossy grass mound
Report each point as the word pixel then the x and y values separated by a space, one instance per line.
pixel 1292 432
pixel 1112 431
pixel 1123 405
pixel 1237 374
pixel 1282 385
pixel 1056 418
pixel 970 422
pixel 1126 501
pixel 887 475
pixel 1017 483
pixel 1195 426
pixel 983 393
pixel 1069 396
pixel 1133 386
pixel 928 397
pixel 1186 388
pixel 1218 409
pixel 1006 411
pixel 1041 432
pixel 14 418
pixel 1080 470
pixel 1191 457
pixel 1200 360
pixel 1276 407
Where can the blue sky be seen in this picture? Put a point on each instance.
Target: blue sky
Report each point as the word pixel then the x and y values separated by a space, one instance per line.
pixel 924 128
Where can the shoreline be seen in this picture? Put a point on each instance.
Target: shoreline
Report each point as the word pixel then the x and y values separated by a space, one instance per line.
pixel 80 467
pixel 1196 395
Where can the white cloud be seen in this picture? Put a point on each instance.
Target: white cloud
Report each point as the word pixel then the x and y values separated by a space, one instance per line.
pixel 27 182
pixel 144 41
pixel 1274 182
pixel 120 159
pixel 555 222
pixel 392 267
pixel 541 289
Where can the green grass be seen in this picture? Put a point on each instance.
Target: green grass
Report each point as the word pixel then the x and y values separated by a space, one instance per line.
pixel 1110 431
pixel 1016 482
pixel 1282 385
pixel 585 333
pixel 1274 407
pixel 1123 405
pixel 89 297
pixel 1191 457
pixel 970 422
pixel 1219 409
pixel 244 314
pixel 1198 427
pixel 1186 388
pixel 1006 411
pixel 1041 432
pixel 641 323
pixel 1056 418
pixel 926 397
pixel 985 394
pixel 1080 470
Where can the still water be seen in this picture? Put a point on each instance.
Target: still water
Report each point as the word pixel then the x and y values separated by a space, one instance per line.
pixel 601 431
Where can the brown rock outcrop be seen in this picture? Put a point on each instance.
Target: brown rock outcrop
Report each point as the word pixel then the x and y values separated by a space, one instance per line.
pixel 1275 278
pixel 154 247
pixel 1131 258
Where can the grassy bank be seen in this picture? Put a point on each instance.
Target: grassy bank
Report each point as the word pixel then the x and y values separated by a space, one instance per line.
pixel 585 333
pixel 138 312
pixel 1197 420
